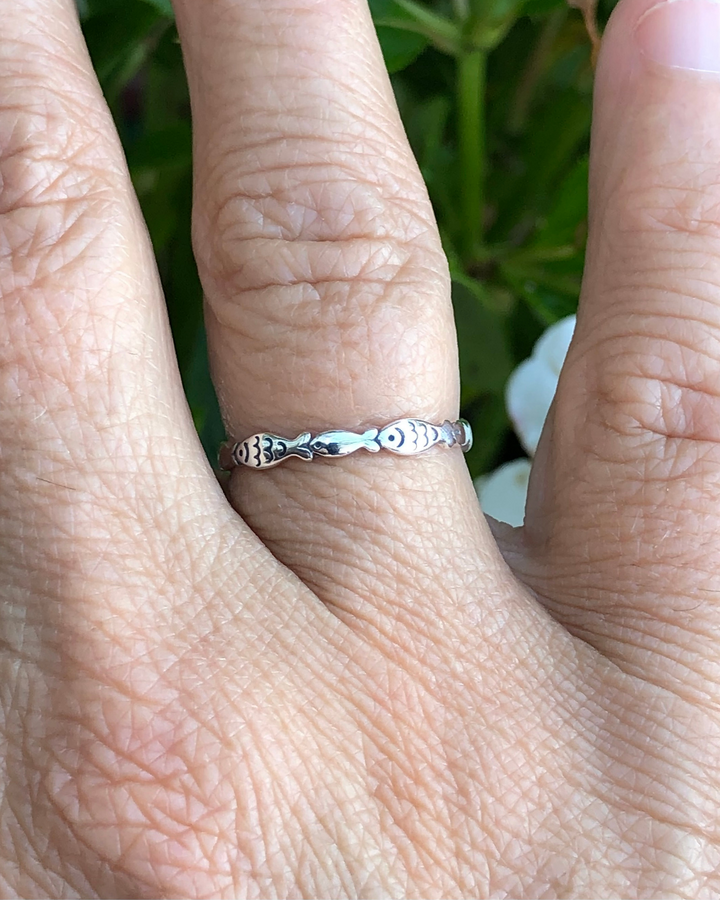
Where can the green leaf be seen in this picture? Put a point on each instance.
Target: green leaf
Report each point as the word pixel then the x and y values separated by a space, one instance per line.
pixel 549 305
pixel 405 28
pixel 409 15
pixel 432 120
pixel 491 428
pixel 90 8
pixel 400 48
pixel 490 21
pixel 557 134
pixel 551 296
pixel 542 7
pixel 118 38
pixel 485 359
pixel 101 7
pixel 203 399
pixel 164 7
pixel 170 146
pixel 566 220
pixel 177 262
pixel 495 10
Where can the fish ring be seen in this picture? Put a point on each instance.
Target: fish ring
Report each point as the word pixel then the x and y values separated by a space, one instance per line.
pixel 405 437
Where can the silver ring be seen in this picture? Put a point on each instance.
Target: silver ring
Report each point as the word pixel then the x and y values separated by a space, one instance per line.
pixel 405 437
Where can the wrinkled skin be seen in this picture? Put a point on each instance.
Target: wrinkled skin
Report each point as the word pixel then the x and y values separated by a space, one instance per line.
pixel 343 685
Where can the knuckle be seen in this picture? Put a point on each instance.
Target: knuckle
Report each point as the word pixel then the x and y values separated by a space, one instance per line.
pixel 327 264
pixel 57 172
pixel 61 189
pixel 658 380
pixel 317 248
pixel 342 315
pixel 310 286
pixel 305 195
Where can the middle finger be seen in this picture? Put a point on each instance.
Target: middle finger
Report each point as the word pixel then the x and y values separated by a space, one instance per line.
pixel 327 293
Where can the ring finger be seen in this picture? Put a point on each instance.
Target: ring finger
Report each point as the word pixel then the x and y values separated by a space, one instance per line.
pixel 327 294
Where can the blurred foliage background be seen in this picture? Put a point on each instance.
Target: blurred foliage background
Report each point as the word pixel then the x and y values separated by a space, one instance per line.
pixel 496 100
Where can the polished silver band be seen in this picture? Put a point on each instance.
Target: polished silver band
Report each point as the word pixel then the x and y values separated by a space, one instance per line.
pixel 405 437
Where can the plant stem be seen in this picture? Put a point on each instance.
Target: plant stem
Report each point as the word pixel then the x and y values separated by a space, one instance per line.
pixel 471 138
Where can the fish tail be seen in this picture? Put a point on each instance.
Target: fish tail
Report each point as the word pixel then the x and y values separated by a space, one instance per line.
pixel 370 441
pixel 300 446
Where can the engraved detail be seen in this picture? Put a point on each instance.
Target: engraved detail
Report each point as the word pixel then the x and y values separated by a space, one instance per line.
pixel 342 443
pixel 263 451
pixel 405 437
pixel 409 436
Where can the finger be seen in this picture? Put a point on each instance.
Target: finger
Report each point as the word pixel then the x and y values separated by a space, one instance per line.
pixel 93 423
pixel 327 291
pixel 625 502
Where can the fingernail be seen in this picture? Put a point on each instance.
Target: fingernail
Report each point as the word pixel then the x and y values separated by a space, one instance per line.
pixel 682 34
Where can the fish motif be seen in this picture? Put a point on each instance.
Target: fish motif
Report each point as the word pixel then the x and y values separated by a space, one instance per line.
pixel 409 436
pixel 405 437
pixel 342 443
pixel 263 451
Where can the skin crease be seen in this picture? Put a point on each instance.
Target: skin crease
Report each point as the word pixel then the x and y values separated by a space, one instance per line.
pixel 341 684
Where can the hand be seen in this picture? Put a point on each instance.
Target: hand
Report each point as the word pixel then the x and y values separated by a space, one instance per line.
pixel 348 689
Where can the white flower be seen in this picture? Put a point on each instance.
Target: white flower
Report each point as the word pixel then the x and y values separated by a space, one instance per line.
pixel 531 387
pixel 529 393
pixel 503 493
